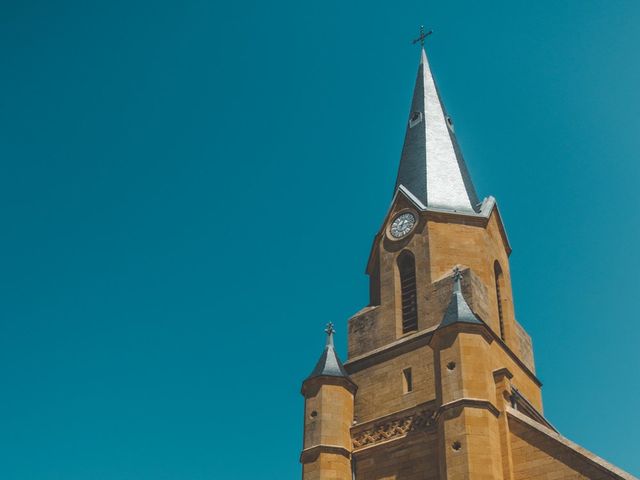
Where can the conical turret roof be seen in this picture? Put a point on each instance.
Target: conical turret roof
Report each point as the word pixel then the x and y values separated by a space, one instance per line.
pixel 458 309
pixel 329 365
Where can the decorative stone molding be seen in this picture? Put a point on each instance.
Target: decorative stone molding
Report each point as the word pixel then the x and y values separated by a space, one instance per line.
pixel 501 373
pixel 312 453
pixel 469 403
pixel 394 428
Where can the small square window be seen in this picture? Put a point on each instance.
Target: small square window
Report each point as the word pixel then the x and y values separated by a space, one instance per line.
pixel 407 380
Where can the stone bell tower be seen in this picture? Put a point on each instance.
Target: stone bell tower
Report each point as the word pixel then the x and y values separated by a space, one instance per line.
pixel 440 381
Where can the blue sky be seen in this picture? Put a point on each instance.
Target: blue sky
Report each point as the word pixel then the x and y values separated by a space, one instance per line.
pixel 189 191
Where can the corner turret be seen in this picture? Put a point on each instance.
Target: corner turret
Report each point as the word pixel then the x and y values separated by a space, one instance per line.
pixel 328 416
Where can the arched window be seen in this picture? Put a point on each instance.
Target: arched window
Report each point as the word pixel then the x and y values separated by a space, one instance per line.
pixel 407 269
pixel 499 295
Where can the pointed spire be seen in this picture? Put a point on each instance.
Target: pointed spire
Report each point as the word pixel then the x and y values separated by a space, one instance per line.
pixel 458 309
pixel 432 169
pixel 329 365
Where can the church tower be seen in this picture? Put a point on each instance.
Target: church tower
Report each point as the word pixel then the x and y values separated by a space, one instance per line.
pixel 440 380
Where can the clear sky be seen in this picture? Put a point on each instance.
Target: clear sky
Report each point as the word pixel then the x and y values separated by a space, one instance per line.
pixel 189 190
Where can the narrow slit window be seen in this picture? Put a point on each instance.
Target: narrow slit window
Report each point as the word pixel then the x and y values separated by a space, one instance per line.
pixel 408 294
pixel 407 381
pixel 499 293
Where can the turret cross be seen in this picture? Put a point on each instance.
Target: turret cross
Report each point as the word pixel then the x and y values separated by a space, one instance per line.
pixel 457 274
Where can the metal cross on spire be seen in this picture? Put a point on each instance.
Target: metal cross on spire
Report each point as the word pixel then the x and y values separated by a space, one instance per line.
pixel 457 274
pixel 330 330
pixel 457 277
pixel 422 36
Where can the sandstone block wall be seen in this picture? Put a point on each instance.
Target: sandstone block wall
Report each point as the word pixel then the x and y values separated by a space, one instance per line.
pixel 413 458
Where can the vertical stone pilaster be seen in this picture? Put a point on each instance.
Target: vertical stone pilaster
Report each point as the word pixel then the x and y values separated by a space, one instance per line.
pixel 502 379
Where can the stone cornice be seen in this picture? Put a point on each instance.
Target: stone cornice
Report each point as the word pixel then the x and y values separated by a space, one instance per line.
pixel 402 345
pixel 411 342
pixel 469 403
pixel 311 453
pixel 502 372
pixel 479 329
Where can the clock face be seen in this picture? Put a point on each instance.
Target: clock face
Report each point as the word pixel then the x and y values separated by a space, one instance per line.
pixel 403 224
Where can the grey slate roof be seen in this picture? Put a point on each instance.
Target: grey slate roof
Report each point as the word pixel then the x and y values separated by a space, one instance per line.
pixel 431 166
pixel 458 309
pixel 329 365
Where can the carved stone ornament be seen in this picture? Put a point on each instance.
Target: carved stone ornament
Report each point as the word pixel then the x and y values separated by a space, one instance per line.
pixel 394 428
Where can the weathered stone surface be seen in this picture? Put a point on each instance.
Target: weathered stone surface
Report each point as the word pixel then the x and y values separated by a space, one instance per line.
pixel 454 400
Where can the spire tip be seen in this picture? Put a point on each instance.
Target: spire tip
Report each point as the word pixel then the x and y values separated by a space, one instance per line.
pixel 330 331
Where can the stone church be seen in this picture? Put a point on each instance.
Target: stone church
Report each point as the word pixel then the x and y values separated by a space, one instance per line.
pixel 440 381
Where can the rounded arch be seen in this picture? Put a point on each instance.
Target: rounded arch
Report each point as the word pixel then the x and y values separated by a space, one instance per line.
pixel 500 291
pixel 408 291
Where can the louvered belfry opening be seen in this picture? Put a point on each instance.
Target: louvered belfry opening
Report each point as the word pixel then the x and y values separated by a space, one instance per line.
pixel 499 279
pixel 407 268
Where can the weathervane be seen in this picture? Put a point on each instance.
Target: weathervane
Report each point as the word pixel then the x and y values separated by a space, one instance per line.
pixel 422 36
